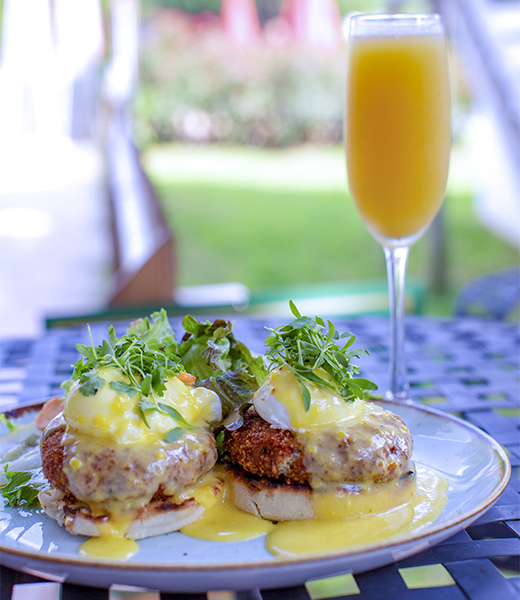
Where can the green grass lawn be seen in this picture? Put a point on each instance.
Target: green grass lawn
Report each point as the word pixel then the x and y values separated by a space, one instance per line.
pixel 271 218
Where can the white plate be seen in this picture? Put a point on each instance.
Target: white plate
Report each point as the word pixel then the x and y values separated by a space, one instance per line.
pixel 475 466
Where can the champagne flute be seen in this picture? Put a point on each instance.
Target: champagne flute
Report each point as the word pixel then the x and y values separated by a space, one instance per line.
pixel 397 142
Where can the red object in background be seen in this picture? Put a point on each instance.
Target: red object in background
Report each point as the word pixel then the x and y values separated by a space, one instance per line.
pixel 240 21
pixel 313 22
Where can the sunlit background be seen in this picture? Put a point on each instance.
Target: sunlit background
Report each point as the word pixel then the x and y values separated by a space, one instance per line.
pixel 189 154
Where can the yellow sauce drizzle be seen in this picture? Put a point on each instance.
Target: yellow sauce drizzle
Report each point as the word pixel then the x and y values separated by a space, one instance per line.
pixel 320 535
pixel 112 547
pixel 363 499
pixel 365 519
pixel 224 522
pixel 111 543
pixel 207 491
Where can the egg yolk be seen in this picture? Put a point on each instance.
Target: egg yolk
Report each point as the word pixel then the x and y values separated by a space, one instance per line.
pixel 111 414
pixel 279 401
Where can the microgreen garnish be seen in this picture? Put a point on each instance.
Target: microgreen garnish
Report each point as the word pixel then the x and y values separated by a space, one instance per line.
pixel 305 345
pixel 146 355
pixel 177 432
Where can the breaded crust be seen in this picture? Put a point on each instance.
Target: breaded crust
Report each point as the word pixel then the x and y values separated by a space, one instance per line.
pixel 52 453
pixel 110 471
pixel 376 450
pixel 265 451
pixel 129 472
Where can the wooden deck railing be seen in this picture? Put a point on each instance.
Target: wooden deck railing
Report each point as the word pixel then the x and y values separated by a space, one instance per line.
pixel 144 245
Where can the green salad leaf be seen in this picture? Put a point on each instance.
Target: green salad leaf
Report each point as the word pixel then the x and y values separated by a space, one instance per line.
pixel 305 345
pixel 220 362
pixel 22 487
pixel 211 349
pixel 236 391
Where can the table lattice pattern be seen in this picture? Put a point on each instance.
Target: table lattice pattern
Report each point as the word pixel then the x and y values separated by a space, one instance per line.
pixel 467 367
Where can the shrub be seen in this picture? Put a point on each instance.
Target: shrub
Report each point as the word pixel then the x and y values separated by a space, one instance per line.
pixel 197 86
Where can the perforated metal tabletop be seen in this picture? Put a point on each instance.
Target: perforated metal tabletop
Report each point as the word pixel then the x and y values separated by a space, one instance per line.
pixel 467 367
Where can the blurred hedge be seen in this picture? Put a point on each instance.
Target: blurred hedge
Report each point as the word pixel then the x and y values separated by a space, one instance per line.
pixel 196 86
pixel 266 8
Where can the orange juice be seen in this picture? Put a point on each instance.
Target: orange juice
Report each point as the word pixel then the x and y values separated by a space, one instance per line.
pixel 397 131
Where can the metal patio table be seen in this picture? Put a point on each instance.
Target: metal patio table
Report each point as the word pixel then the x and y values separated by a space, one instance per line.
pixel 465 366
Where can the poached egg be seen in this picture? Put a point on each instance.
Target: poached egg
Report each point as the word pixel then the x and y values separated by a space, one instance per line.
pixel 115 415
pixel 279 402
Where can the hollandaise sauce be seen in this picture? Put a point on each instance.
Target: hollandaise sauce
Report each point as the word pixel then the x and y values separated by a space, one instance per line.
pixel 114 460
pixel 328 535
pixel 225 523
pixel 334 435
pixel 111 544
pixel 222 521
pixel 336 527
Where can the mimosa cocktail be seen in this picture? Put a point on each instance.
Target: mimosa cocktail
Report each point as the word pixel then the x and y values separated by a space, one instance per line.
pixel 398 130
pixel 397 141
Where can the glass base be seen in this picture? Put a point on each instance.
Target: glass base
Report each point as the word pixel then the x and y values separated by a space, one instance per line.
pixel 401 397
pixel 393 243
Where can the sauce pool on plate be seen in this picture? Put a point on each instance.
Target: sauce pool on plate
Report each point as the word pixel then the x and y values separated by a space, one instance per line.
pixel 224 522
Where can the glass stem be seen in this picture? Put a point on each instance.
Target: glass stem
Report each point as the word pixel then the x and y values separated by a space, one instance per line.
pixel 396 259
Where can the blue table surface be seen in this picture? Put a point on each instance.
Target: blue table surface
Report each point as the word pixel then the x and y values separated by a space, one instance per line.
pixel 467 367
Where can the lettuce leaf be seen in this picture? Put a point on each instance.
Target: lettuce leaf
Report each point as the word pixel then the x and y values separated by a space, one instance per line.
pixel 211 349
pixel 223 364
pixel 235 390
pixel 156 331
